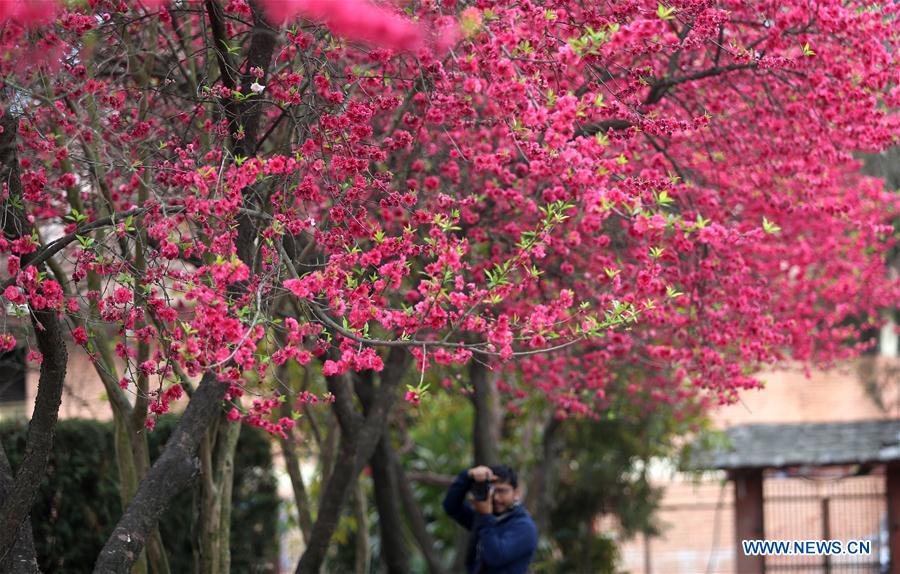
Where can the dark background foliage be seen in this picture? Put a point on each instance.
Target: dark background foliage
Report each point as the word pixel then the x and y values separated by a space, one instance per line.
pixel 78 502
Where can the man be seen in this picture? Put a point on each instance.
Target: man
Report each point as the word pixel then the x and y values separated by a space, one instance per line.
pixel 503 534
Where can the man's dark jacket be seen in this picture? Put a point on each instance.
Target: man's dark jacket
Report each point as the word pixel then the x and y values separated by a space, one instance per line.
pixel 502 544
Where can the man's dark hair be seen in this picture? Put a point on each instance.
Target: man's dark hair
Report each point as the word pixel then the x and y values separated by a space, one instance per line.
pixel 505 474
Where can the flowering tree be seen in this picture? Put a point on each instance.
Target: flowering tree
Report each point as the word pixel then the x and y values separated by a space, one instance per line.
pixel 199 191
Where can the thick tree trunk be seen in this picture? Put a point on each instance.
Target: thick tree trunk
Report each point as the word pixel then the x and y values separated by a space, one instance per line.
pixel 485 399
pixel 359 437
pixel 171 473
pixel 19 497
pixel 21 559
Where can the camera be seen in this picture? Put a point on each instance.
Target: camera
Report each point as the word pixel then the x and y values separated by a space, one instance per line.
pixel 482 490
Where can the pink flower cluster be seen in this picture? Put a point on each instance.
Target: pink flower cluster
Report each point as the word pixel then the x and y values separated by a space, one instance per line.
pixel 356 20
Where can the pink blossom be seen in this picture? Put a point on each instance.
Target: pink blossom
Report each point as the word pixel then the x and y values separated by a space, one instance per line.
pixel 413 398
pixel 122 296
pixel 7 342
pixel 357 20
pixel 29 12
pixel 80 336
pixel 13 295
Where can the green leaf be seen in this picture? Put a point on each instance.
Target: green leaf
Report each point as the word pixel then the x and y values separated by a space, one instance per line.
pixel 76 217
pixel 673 293
pixel 86 242
pixel 663 198
pixel 770 228
pixel 807 51
pixel 229 49
pixel 665 12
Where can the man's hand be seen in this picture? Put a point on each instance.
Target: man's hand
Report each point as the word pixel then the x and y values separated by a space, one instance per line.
pixel 481 473
pixel 483 506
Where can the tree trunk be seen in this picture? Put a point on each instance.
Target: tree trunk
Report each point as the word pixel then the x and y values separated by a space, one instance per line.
pixel 301 496
pixel 334 494
pixel 363 556
pixel 225 479
pixel 460 548
pixel 212 517
pixel 212 507
pixel 393 544
pixel 288 445
pixel 394 552
pixel 485 399
pixel 329 453
pixel 539 499
pixel 209 508
pixel 21 559
pixel 132 459
pixel 359 437
pixel 171 473
pixel 128 479
pixel 414 514
pixel 19 497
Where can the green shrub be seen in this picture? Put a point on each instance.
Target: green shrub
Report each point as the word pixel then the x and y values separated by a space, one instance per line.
pixel 78 502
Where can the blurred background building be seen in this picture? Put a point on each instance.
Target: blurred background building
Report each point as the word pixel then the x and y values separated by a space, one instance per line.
pixel 799 496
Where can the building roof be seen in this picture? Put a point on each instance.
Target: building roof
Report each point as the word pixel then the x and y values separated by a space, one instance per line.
pixel 806 444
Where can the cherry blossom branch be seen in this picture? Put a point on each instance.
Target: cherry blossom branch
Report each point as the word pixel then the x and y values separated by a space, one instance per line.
pixel 61 243
pixel 322 316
